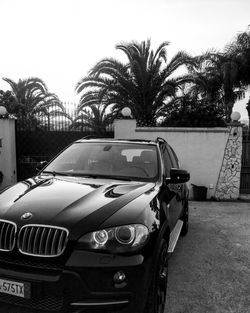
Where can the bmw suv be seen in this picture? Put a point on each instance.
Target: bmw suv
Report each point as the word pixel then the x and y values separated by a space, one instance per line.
pixel 93 230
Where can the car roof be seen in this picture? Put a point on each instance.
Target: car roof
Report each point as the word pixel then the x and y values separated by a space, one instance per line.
pixel 142 141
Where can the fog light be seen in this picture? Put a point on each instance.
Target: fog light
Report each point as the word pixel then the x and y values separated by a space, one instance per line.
pixel 119 277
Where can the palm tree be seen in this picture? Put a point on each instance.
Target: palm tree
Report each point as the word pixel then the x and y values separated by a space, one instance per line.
pixel 206 76
pixel 95 118
pixel 239 51
pixel 143 84
pixel 222 77
pixel 48 107
pixel 32 101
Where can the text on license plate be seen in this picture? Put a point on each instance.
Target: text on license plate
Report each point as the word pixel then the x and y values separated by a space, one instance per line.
pixel 12 287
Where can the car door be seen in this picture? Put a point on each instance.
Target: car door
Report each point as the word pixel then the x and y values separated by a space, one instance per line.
pixel 171 201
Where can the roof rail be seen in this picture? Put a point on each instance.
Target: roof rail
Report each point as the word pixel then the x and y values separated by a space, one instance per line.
pixel 93 137
pixel 160 140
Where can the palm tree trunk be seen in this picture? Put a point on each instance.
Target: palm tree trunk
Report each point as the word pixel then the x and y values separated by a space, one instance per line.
pixel 229 110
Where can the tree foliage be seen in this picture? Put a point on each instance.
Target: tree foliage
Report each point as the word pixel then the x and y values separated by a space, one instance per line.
pixel 143 84
pixel 30 99
pixel 8 101
pixel 239 51
pixel 190 111
pixel 223 77
pixel 147 83
pixel 95 118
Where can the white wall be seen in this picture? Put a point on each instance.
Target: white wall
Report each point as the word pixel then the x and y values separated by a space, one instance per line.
pixel 200 150
pixel 7 152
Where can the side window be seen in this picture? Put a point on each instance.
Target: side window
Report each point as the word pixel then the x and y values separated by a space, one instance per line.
pixel 166 160
pixel 173 157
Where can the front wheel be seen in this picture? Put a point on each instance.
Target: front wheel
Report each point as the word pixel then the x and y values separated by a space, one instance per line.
pixel 158 288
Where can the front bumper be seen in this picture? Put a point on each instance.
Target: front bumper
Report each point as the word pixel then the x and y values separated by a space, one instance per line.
pixel 84 284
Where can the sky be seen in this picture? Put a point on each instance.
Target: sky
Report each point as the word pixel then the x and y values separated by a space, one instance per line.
pixel 59 41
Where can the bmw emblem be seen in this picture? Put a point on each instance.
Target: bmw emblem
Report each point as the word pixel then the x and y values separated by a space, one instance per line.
pixel 26 216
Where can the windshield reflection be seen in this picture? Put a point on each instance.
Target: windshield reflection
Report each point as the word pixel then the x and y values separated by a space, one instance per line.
pixel 107 160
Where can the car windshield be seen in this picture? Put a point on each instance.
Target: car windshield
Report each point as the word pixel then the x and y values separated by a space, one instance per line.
pixel 108 160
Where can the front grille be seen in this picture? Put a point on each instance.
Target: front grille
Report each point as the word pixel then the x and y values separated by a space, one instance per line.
pixel 48 303
pixel 7 235
pixel 42 240
pixel 24 262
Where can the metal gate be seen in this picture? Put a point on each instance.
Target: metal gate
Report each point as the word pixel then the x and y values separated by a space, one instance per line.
pixel 42 137
pixel 35 146
pixel 245 165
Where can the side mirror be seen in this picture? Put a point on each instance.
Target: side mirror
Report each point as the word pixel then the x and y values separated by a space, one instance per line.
pixel 40 165
pixel 178 176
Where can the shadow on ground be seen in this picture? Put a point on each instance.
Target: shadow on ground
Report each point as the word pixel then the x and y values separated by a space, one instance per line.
pixel 210 268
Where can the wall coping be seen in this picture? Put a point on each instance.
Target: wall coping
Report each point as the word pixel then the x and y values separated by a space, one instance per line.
pixel 10 118
pixel 184 129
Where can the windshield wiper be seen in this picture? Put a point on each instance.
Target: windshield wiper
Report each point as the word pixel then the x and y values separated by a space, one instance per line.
pixel 54 173
pixel 112 177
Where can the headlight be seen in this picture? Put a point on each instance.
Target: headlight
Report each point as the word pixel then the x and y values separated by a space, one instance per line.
pixel 118 239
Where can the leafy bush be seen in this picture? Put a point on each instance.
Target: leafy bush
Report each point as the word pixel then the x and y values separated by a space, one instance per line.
pixel 187 112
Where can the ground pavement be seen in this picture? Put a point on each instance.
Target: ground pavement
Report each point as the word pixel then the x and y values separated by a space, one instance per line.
pixel 210 268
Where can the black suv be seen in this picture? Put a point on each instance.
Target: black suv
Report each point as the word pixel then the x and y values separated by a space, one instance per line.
pixel 92 232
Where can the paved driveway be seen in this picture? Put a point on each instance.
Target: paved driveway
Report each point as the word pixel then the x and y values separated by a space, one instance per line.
pixel 210 268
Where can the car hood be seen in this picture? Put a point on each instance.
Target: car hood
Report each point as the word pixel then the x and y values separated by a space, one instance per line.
pixel 79 204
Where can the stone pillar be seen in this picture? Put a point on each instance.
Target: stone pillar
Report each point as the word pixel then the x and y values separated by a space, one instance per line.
pixel 228 184
pixel 7 152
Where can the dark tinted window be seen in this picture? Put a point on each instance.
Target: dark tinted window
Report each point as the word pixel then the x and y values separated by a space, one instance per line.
pixel 128 160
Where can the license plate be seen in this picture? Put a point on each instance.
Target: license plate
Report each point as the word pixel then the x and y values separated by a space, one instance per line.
pixel 19 289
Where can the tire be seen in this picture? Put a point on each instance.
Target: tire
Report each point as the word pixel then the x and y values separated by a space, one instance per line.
pixel 158 287
pixel 185 218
